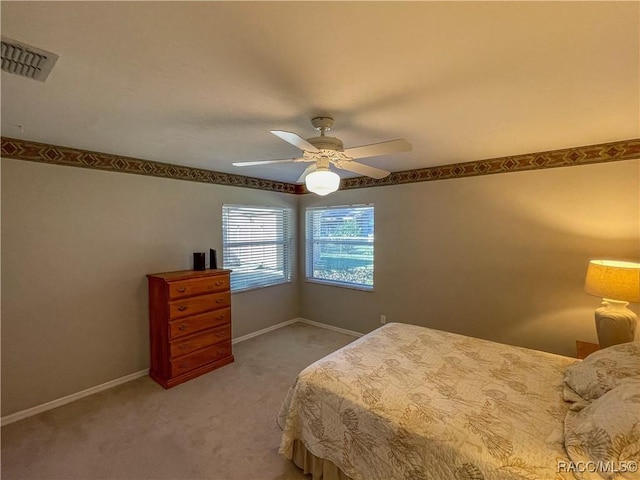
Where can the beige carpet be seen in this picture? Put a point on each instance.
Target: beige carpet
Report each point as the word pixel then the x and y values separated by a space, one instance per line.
pixel 220 426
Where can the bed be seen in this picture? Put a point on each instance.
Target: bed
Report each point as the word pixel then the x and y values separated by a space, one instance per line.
pixel 408 402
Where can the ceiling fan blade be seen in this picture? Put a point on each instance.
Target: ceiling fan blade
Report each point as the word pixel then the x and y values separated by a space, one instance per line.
pixel 362 169
pixel 266 162
pixel 383 148
pixel 307 171
pixel 295 140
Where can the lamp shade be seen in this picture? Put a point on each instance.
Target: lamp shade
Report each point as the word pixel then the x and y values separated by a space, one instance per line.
pixel 322 181
pixel 613 280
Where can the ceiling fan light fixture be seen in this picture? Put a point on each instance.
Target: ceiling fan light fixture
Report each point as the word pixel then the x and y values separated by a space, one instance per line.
pixel 323 151
pixel 322 182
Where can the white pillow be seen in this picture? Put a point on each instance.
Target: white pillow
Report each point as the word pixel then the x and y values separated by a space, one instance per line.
pixel 603 439
pixel 577 402
pixel 603 370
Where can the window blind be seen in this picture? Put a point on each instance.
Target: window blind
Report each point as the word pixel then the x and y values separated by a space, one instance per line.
pixel 257 245
pixel 340 245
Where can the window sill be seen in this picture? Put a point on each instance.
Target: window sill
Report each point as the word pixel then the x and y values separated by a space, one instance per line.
pixel 250 289
pixel 329 283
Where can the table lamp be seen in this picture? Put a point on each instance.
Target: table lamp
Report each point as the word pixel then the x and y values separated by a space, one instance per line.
pixel 617 283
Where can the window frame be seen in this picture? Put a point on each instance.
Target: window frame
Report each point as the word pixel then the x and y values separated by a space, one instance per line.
pixel 310 243
pixel 285 240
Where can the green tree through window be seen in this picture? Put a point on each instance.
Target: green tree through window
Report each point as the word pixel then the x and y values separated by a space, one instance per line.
pixel 339 248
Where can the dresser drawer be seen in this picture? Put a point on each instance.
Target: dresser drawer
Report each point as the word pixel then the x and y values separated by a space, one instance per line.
pixel 201 357
pixel 200 304
pixel 196 342
pixel 189 325
pixel 198 286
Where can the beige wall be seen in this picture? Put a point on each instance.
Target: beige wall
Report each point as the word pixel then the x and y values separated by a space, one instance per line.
pixel 501 257
pixel 77 245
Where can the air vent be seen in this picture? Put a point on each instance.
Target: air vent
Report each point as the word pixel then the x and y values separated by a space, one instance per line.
pixel 27 61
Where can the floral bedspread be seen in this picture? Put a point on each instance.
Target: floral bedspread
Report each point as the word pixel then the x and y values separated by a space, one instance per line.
pixel 412 403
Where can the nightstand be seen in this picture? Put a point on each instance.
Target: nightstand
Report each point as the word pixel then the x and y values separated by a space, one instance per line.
pixel 584 349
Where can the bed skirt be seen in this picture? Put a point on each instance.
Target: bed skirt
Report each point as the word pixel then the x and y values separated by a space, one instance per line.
pixel 319 468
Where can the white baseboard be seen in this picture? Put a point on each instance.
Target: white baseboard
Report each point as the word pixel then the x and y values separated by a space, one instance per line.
pixel 264 330
pixel 330 327
pixel 29 412
pixel 291 322
pixel 14 417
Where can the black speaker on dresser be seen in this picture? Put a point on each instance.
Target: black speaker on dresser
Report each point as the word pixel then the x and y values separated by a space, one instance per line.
pixel 199 262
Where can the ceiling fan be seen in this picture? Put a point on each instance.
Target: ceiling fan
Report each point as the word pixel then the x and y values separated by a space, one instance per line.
pixel 323 151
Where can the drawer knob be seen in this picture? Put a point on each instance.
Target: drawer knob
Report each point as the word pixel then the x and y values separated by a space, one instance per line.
pixel 182 328
pixel 182 346
pixel 182 289
pixel 221 334
pixel 182 308
pixel 218 283
pixel 219 317
pixel 221 350
pixel 219 300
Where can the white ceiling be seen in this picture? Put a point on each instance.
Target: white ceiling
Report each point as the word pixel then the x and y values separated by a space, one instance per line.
pixel 202 83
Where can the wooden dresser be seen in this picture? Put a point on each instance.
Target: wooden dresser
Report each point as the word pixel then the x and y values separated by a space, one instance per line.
pixel 189 324
pixel 584 349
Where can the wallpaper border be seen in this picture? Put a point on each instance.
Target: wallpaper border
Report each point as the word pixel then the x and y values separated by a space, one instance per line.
pixel 566 157
pixel 19 149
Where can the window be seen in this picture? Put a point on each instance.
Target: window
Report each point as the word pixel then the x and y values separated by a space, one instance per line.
pixel 257 245
pixel 340 245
